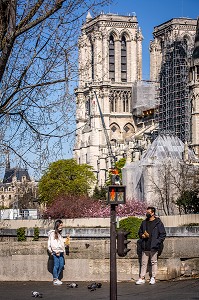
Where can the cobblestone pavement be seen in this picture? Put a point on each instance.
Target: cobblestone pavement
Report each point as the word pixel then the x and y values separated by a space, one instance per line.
pixel 162 290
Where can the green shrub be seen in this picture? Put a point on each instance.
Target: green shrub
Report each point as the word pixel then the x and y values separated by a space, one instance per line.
pixel 131 224
pixel 36 234
pixel 21 234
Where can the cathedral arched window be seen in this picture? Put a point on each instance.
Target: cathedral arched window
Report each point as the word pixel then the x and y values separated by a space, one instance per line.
pixel 197 72
pixel 128 130
pixel 114 131
pixel 113 98
pixel 120 101
pixel 111 58
pixel 126 96
pixel 193 105
pixel 92 61
pixel 190 74
pixel 123 60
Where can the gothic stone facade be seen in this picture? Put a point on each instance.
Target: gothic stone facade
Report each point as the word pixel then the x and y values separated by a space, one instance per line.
pixel 182 29
pixel 194 93
pixel 110 60
pixel 110 65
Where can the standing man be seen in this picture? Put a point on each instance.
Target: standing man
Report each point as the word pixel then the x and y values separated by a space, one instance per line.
pixel 152 234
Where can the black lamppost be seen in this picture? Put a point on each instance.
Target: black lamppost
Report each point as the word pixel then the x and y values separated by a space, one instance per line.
pixel 116 195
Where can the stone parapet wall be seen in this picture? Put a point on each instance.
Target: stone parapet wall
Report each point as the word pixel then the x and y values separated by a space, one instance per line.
pixel 169 221
pixel 91 233
pixel 89 260
pixel 44 223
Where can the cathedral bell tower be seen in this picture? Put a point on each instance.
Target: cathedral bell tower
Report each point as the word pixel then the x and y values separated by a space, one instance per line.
pixel 194 93
pixel 110 60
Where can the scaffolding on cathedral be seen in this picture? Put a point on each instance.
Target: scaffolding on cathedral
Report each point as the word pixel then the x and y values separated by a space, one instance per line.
pixel 144 96
pixel 174 107
pixel 142 177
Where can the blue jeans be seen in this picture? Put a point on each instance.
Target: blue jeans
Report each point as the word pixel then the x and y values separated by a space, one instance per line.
pixel 58 265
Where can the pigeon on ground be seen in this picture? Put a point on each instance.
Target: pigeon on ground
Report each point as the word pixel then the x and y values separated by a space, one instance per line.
pixel 36 294
pixel 94 286
pixel 72 285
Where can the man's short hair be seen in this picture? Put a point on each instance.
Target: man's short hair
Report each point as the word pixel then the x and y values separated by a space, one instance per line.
pixel 152 208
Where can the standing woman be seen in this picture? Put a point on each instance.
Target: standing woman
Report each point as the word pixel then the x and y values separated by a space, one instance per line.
pixel 56 248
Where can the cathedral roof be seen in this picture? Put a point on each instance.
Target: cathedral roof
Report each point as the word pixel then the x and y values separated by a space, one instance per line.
pixel 196 47
pixel 167 146
pixel 18 172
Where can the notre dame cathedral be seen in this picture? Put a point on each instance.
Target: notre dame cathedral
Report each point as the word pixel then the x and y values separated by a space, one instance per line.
pixel 118 114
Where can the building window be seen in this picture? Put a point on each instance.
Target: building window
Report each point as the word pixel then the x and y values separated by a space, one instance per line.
pixel 23 178
pixel 129 130
pixel 120 101
pixel 92 61
pixel 114 131
pixel 9 197
pixel 111 58
pixel 191 74
pixel 125 99
pixel 88 110
pixel 126 128
pixel 197 72
pixel 113 101
pixel 123 60
pixel 113 128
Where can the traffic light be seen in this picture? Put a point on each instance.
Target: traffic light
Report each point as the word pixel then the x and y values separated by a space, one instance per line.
pixel 115 177
pixel 116 194
pixel 122 242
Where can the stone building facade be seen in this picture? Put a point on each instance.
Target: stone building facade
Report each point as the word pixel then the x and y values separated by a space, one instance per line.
pixel 194 93
pixel 182 29
pixel 110 61
pixel 111 90
pixel 17 188
pixel 170 54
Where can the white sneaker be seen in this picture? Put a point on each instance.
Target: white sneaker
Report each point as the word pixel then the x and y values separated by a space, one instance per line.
pixel 140 281
pixel 57 282
pixel 152 280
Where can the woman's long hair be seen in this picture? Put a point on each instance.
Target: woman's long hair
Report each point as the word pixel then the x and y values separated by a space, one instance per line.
pixel 57 223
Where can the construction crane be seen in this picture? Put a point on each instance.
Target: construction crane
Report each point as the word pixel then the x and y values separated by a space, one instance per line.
pixel 110 152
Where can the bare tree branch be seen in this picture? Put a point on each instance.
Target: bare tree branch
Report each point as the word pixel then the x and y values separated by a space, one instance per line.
pixel 38 73
pixel 24 26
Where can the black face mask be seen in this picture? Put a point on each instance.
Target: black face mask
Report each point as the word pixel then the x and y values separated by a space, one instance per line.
pixel 148 215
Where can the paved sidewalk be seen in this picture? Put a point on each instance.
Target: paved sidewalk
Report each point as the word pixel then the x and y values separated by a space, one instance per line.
pixel 163 290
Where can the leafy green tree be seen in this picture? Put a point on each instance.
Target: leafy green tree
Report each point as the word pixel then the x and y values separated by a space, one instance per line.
pixel 118 166
pixel 65 177
pixel 188 202
pixel 100 193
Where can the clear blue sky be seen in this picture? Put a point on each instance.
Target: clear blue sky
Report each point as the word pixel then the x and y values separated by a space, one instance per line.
pixel 151 13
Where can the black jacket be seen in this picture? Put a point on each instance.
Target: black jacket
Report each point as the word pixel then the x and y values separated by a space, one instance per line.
pixel 157 237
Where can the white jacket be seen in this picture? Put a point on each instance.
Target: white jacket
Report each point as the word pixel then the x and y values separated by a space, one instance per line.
pixel 55 245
